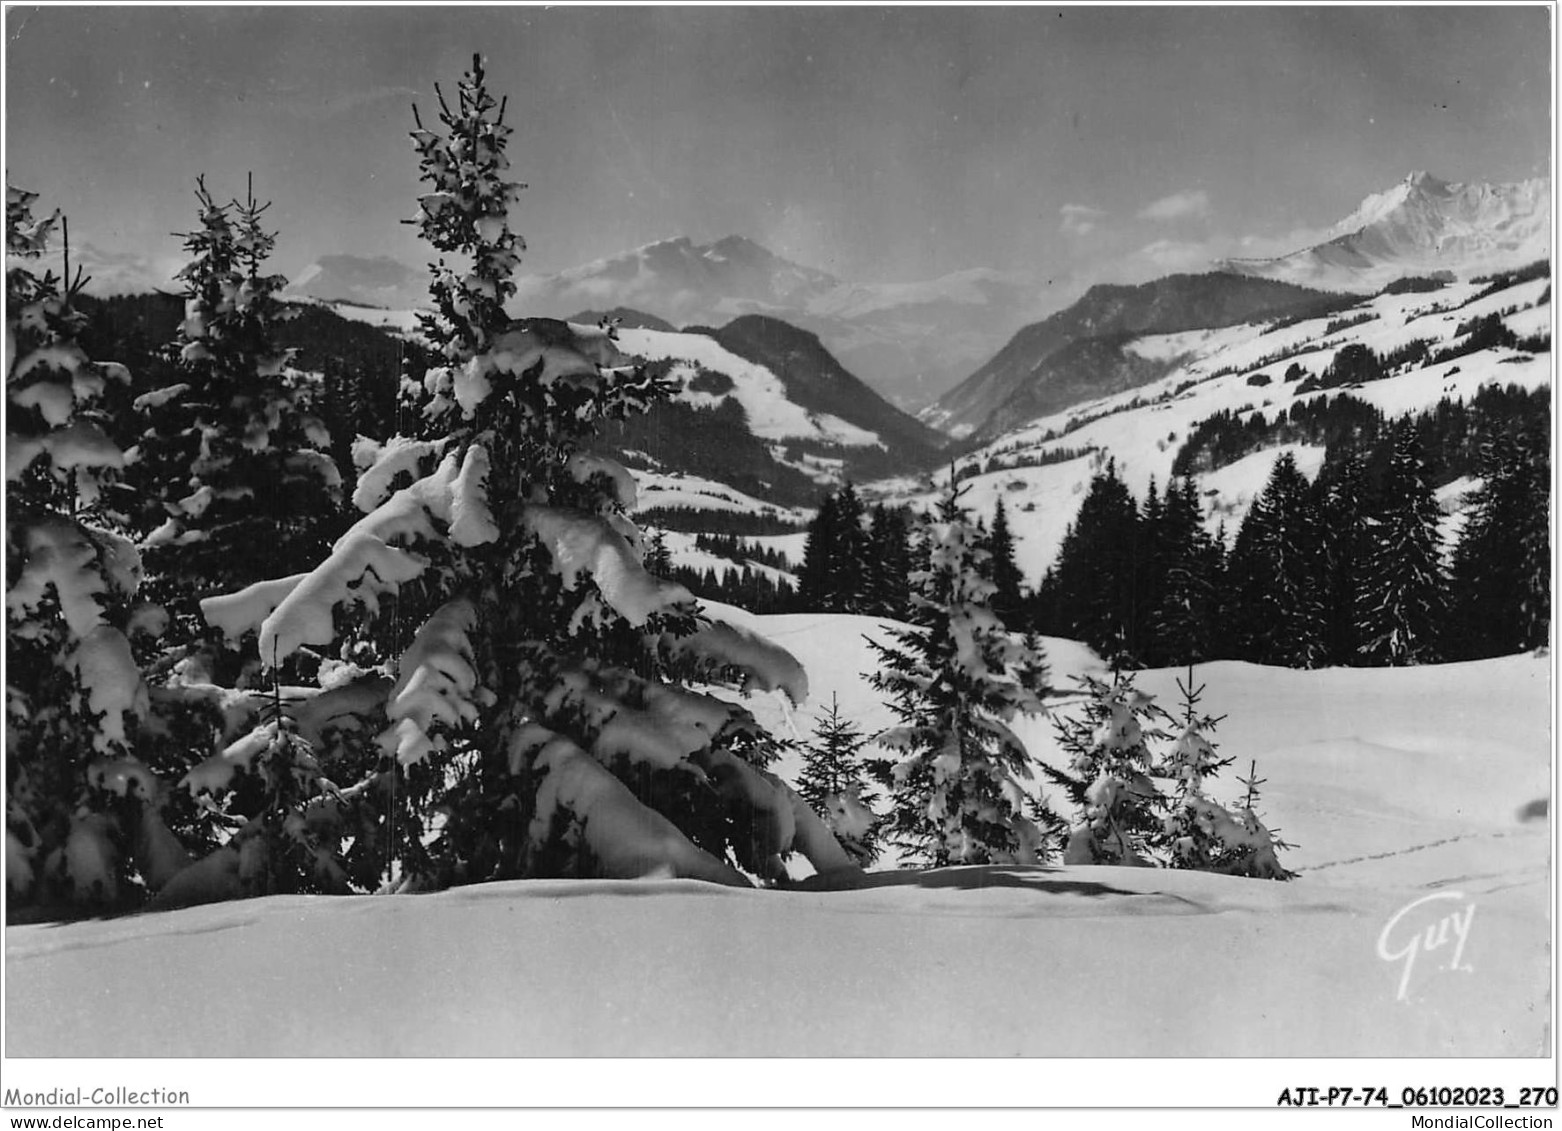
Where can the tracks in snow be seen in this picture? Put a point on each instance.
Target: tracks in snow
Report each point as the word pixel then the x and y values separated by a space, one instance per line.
pixel 1502 834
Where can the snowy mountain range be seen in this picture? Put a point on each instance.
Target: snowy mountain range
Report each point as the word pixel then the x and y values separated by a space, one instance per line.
pixel 1042 469
pixel 910 341
pixel 1422 226
pixel 1076 354
pixel 377 281
pixel 916 342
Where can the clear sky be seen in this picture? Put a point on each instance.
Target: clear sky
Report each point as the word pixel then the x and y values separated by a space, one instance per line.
pixel 882 144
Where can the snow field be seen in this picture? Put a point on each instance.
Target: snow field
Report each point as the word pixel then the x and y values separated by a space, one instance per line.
pixel 1396 785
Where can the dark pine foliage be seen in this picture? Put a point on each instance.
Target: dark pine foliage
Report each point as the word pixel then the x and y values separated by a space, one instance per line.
pixel 693 520
pixel 1007 599
pixel 1182 619
pixel 1089 593
pixel 890 557
pixel 1275 576
pixel 1501 567
pixel 1402 594
pixel 835 572
pixel 234 456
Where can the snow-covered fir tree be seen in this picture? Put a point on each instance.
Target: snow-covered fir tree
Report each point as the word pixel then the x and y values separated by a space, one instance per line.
pixel 954 781
pixel 1402 597
pixel 81 822
pixel 1199 832
pixel 834 781
pixel 503 672
pixel 1137 808
pixel 1108 773
pixel 234 459
pixel 658 557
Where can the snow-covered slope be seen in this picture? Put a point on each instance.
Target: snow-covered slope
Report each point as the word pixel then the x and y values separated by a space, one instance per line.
pixel 771 414
pixel 1209 371
pixel 686 554
pixel 1419 227
pixel 1405 791
pixel 1077 353
pixel 770 418
pixel 658 489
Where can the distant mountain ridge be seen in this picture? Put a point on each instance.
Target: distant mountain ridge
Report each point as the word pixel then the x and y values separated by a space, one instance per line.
pixel 1076 354
pixel 762 406
pixel 623 316
pixel 678 280
pixel 816 380
pixel 367 281
pixel 909 341
pixel 1422 225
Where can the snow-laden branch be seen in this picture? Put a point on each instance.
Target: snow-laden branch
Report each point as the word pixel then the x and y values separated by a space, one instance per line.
pixel 238 613
pixel 379 466
pixel 438 685
pixel 719 647
pixel 58 555
pixel 587 543
pixel 627 839
pixel 363 566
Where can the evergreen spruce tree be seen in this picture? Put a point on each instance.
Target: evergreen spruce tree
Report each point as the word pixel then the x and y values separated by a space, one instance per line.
pixel 1033 671
pixel 835 576
pixel 1344 500
pixel 848 570
pixel 1199 832
pixel 1275 575
pixel 81 809
pixel 1151 566
pixel 1403 596
pixel 1181 628
pixel 1125 816
pixel 234 457
pixel 515 671
pixel 953 787
pixel 1108 774
pixel 821 550
pixel 888 592
pixel 833 780
pixel 1008 601
pixel 1089 594
pixel 658 558
pixel 1501 566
